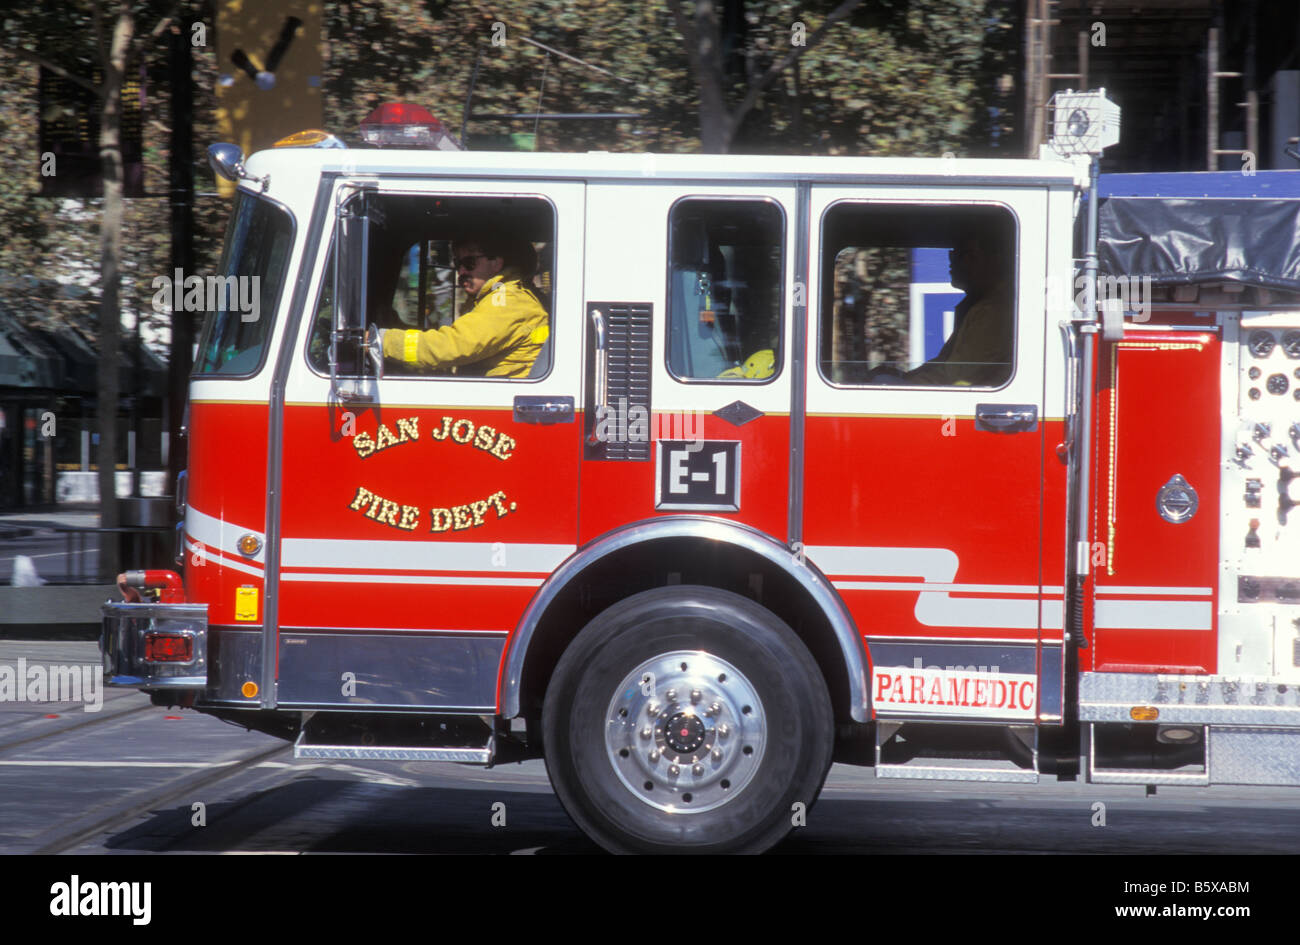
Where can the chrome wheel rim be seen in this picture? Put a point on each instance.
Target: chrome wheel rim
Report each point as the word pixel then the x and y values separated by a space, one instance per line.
pixel 685 731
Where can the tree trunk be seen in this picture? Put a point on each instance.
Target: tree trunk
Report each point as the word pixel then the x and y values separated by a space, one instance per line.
pixel 110 316
pixel 715 122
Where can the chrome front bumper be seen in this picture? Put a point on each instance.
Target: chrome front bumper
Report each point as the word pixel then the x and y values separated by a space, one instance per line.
pixel 122 645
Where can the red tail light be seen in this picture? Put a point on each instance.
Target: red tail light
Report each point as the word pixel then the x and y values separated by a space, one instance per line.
pixel 162 647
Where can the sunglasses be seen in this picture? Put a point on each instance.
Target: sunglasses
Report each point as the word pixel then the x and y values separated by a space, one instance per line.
pixel 468 262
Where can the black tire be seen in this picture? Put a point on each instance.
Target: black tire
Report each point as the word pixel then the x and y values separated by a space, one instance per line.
pixel 747 725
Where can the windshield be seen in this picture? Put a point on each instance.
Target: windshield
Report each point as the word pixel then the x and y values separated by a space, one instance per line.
pixel 240 302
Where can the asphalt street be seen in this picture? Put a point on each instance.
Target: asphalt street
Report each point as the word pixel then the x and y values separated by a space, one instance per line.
pixel 126 779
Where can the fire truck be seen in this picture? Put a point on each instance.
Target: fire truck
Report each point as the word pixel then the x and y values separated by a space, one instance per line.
pixel 959 469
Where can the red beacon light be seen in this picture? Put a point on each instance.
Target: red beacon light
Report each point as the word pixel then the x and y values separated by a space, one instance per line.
pixel 399 125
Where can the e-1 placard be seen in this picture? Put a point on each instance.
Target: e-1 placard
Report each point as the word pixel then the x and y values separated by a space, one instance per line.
pixel 702 475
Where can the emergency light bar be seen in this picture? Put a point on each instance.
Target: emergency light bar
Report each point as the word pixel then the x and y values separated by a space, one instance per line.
pixel 1083 123
pixel 398 125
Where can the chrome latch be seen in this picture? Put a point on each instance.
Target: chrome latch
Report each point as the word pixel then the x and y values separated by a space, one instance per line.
pixel 1177 501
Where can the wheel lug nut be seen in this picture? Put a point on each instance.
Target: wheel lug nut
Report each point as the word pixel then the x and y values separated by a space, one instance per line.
pixel 697 770
pixel 673 770
pixel 671 695
pixel 696 695
pixel 715 709
pixel 717 754
pixel 647 732
pixel 724 729
pixel 653 708
pixel 654 754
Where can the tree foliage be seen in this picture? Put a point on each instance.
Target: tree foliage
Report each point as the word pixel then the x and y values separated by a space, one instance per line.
pixel 890 77
pixel 882 77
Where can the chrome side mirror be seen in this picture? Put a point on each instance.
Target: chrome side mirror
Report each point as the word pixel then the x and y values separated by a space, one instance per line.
pixel 227 161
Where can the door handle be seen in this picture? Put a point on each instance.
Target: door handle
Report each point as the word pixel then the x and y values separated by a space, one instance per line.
pixel 543 409
pixel 1006 418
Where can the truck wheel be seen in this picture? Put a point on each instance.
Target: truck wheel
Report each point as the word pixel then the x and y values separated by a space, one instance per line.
pixel 687 720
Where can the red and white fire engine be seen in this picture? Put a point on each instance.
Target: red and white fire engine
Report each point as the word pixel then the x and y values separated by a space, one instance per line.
pixel 746 513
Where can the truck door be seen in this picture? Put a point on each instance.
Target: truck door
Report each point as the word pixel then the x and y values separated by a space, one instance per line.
pixel 421 511
pixel 1153 604
pixel 688 401
pixel 925 441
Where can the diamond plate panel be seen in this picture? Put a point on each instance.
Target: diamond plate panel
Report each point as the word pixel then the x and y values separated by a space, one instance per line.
pixel 1254 756
pixel 1107 697
pixel 738 413
pixel 938 773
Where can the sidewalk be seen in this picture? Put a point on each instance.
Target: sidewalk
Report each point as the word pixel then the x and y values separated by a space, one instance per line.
pixel 57 610
pixel 82 518
pixel 15 525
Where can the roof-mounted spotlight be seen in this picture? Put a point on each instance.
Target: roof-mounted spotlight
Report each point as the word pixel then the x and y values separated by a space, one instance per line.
pixel 1083 123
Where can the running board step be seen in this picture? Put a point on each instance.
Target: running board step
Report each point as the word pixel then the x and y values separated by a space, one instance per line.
pixel 1147 776
pixel 947 765
pixel 982 772
pixel 325 746
pixel 476 756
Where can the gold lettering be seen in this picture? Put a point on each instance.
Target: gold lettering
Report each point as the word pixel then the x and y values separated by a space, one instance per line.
pixel 495 498
pixel 388 513
pixel 410 517
pixel 441 520
pixel 408 428
pixel 469 431
pixel 441 434
pixel 363 444
pixel 363 496
pixel 385 439
pixel 460 517
pixel 485 437
pixel 478 508
pixel 504 445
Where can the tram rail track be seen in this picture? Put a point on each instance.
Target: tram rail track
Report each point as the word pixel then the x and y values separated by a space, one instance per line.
pixel 63 730
pixel 138 803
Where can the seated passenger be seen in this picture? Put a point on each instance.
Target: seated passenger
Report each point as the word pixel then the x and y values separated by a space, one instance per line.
pixel 502 335
pixel 978 352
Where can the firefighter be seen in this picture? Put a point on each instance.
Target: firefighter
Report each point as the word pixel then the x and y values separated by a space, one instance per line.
pixel 502 335
pixel 978 352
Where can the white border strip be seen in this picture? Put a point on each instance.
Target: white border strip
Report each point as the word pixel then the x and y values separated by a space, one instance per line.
pixel 328 578
pixel 937 568
pixel 1027 589
pixel 222 560
pixel 1115 590
pixel 496 556
pixel 1153 615
pixel 222 535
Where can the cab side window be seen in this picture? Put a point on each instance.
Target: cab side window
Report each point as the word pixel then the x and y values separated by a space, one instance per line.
pixel 412 276
pixel 917 295
pixel 725 270
pixel 242 300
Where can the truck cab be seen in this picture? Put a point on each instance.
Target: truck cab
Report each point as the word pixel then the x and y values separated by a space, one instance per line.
pixel 817 459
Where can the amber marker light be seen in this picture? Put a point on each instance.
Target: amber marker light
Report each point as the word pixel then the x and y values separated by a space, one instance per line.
pixel 249 689
pixel 1144 713
pixel 310 138
pixel 249 545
